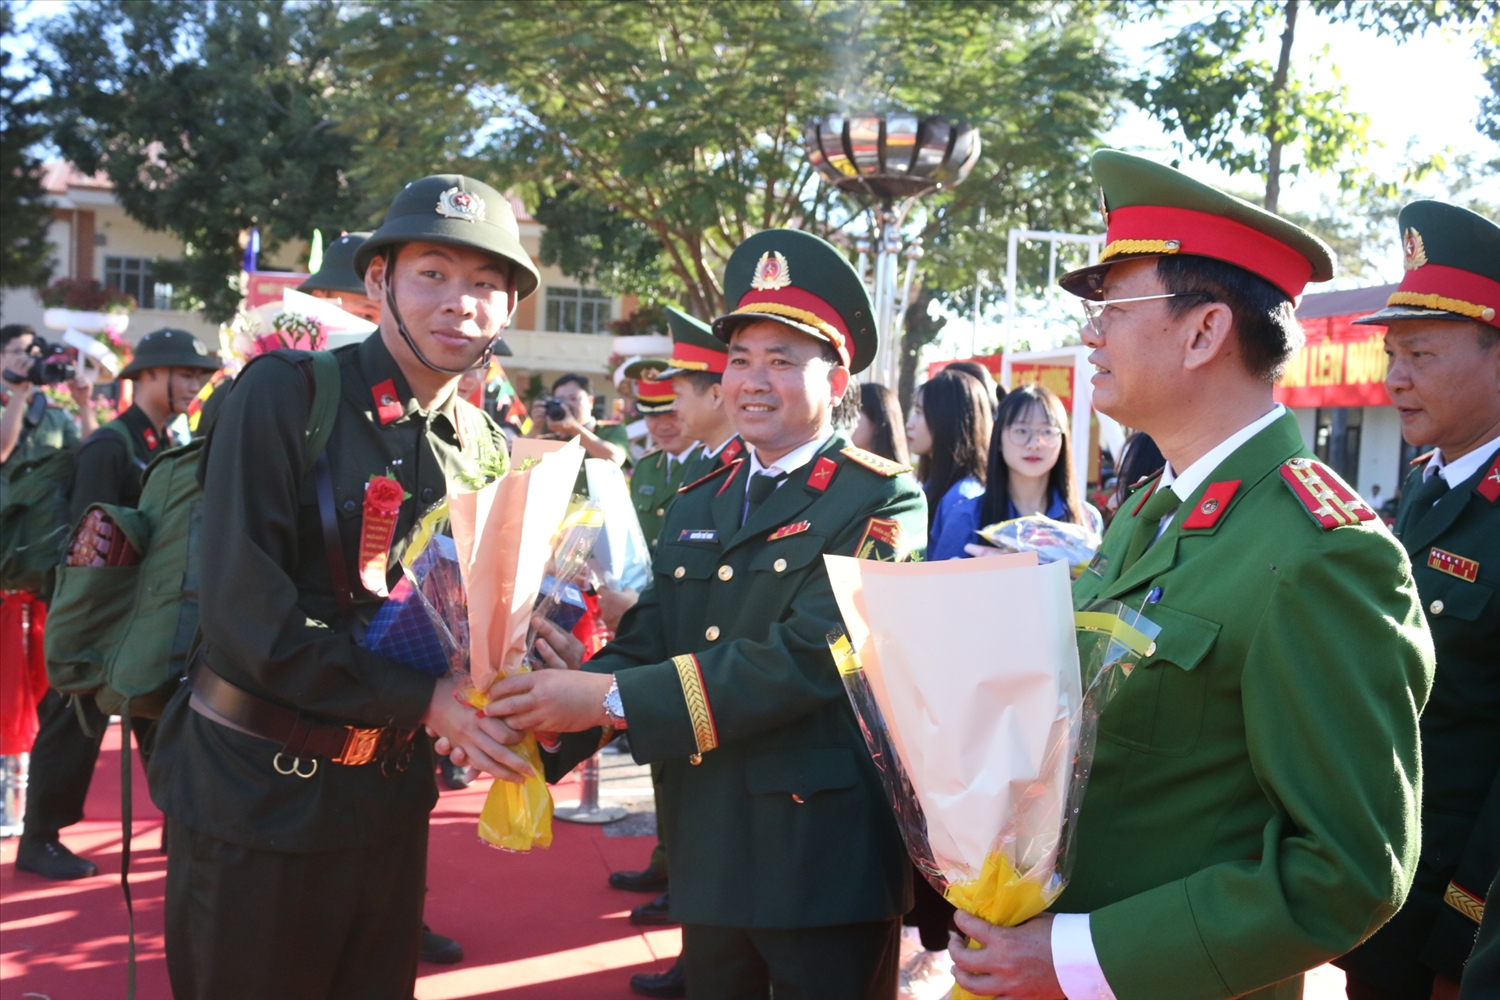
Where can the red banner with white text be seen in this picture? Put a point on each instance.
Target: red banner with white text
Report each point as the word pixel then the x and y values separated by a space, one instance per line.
pixel 1340 365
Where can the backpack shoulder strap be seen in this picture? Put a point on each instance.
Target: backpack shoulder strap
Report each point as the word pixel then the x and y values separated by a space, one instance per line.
pixel 119 428
pixel 325 404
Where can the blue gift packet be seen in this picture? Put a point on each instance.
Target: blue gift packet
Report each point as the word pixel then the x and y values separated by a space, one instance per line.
pixel 407 627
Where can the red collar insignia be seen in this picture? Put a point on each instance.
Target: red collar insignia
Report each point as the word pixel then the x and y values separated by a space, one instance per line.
pixel 387 402
pixel 822 473
pixel 731 451
pixel 1489 486
pixel 150 436
pixel 1212 506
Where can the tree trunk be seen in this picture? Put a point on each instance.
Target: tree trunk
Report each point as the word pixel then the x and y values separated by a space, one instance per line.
pixel 921 330
pixel 1273 108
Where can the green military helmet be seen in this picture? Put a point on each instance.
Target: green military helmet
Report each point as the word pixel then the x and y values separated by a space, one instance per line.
pixel 337 272
pixel 457 211
pixel 1452 261
pixel 806 283
pixel 694 346
pixel 169 348
pixel 1152 210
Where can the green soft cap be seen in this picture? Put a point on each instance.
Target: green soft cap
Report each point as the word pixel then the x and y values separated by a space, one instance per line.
pixel 457 211
pixel 337 272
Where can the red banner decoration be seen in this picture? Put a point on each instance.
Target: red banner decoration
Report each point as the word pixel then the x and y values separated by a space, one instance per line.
pixel 383 497
pixel 1058 378
pixel 1340 365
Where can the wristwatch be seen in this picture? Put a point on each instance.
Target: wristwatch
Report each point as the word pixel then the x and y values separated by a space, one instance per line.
pixel 614 709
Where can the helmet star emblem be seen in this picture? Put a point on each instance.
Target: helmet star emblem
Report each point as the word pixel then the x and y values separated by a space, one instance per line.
pixel 456 204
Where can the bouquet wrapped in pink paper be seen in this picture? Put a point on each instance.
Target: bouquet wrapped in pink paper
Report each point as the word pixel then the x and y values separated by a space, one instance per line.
pixel 506 535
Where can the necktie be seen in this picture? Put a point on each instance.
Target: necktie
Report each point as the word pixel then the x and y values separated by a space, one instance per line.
pixel 1161 503
pixel 761 486
pixel 1433 489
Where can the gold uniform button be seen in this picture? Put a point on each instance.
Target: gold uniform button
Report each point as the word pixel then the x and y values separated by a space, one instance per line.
pixel 779 565
pixel 1436 607
pixel 726 572
pixel 712 633
pixel 680 572
pixel 661 511
pixel 1151 649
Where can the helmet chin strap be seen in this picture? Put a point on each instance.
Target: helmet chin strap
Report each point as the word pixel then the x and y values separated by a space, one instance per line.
pixel 390 301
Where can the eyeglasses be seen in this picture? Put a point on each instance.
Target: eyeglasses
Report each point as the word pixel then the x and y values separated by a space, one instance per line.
pixel 1020 435
pixel 1094 308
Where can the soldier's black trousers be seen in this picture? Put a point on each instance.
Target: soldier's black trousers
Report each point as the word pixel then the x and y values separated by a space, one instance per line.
pixel 62 763
pixel 244 924
pixel 845 962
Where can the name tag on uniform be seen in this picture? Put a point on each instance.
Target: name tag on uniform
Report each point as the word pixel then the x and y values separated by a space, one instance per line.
pixel 698 535
pixel 646 489
pixel 1447 562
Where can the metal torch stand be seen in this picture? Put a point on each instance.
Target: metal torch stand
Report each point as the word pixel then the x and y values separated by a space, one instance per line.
pixel 12 793
pixel 588 810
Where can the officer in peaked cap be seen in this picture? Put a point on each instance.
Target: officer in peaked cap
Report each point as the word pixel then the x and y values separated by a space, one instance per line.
pixel 1443 339
pixel 1251 811
pixel 787 865
pixel 697 374
pixel 337 280
pixel 657 474
pixel 292 767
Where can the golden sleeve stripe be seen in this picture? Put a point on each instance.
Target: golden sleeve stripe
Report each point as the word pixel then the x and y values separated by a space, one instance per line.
pixel 691 678
pixel 1464 902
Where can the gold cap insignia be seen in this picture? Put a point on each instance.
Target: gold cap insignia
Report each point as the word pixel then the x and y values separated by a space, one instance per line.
pixel 650 374
pixel 1414 254
pixel 456 204
pixel 771 272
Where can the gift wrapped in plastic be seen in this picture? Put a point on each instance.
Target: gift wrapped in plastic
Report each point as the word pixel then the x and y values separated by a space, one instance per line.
pixel 978 691
pixel 1052 541
pixel 424 623
pixel 622 557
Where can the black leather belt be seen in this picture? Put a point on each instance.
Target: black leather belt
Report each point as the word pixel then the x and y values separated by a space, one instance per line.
pixel 299 736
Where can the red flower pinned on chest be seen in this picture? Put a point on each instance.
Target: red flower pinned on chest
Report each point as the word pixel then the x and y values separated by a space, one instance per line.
pixel 382 508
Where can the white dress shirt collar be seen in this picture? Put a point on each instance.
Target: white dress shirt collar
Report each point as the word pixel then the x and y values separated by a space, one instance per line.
pixel 1458 471
pixel 792 460
pixel 714 453
pixel 1187 481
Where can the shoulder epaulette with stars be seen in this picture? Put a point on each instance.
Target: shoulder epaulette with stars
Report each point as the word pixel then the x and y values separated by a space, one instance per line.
pixel 874 462
pixel 698 482
pixel 1328 499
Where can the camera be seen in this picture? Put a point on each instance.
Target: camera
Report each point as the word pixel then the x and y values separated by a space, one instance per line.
pixel 48 365
pixel 556 409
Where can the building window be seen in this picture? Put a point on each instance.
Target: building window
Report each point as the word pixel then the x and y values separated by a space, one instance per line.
pixel 578 310
pixel 1337 443
pixel 132 275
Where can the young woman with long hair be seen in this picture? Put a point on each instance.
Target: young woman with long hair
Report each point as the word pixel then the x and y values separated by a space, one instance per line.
pixel 881 429
pixel 949 432
pixel 1030 467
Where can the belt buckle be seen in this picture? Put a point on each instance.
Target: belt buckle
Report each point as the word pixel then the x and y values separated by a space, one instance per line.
pixel 360 747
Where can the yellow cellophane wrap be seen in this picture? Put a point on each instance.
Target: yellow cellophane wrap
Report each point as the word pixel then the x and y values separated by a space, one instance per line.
pixel 999 896
pixel 519 817
pixel 515 817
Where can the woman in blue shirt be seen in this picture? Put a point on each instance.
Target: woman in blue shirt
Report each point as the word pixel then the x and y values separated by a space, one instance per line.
pixel 1030 471
pixel 949 432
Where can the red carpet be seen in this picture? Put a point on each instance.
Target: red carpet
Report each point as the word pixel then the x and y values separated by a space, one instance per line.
pixel 538 926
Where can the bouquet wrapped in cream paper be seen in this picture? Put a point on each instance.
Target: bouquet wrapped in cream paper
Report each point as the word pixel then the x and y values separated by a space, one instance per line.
pixel 978 691
pixel 505 536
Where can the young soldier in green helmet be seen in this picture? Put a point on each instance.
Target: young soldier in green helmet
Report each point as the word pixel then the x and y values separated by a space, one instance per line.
pixel 1443 339
pixel 291 766
pixel 787 866
pixel 338 281
pixel 1252 808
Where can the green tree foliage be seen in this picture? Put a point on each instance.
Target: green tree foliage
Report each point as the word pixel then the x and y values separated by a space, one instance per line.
pixel 599 246
pixel 27 260
pixel 208 118
pixel 1246 113
pixel 686 119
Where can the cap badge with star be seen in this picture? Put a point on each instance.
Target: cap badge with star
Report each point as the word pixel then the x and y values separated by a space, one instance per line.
pixel 653 392
pixel 1452 267
pixel 694 346
pixel 1152 210
pixel 805 283
pixel 456 204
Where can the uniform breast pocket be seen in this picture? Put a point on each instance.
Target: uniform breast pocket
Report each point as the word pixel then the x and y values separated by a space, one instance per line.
pixel 1458 599
pixel 1159 708
pixel 801 774
pixel 682 562
pixel 788 555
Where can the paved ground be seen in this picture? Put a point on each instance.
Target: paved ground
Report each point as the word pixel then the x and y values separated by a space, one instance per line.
pixel 538 926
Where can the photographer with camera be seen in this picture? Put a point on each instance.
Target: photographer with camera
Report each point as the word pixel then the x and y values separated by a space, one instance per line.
pixel 570 413
pixel 31 425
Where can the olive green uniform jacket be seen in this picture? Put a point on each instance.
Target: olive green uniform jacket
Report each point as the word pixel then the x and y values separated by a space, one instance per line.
pixel 1253 806
pixel 653 484
pixel 270 620
pixel 45 428
pixel 784 822
pixel 1455 554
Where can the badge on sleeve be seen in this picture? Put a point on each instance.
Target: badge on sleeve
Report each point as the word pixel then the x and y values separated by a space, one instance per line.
pixel 383 498
pixel 882 541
